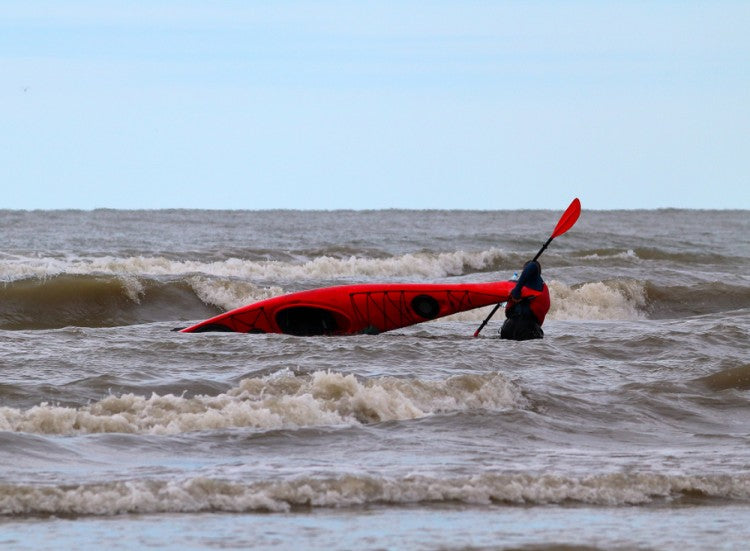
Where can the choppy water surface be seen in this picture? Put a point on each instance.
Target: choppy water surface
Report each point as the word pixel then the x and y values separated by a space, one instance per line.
pixel 627 426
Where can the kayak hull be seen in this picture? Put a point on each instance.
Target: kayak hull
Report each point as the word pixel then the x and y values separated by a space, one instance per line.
pixel 356 309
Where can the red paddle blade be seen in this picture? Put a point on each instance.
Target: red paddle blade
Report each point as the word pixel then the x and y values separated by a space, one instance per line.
pixel 568 218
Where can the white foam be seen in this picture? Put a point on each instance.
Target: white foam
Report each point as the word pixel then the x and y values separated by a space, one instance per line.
pixel 616 300
pixel 206 494
pixel 229 283
pixel 629 254
pixel 230 294
pixel 283 400
pixel 132 287
pixel 418 265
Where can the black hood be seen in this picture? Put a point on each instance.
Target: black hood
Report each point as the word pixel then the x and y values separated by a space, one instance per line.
pixel 531 277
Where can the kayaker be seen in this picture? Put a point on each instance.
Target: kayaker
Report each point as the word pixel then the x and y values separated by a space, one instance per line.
pixel 528 305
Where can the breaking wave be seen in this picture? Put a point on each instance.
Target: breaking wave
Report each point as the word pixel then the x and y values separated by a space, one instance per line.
pixel 600 300
pixel 45 293
pixel 282 400
pixel 413 265
pixel 215 495
pixel 108 300
pixel 612 300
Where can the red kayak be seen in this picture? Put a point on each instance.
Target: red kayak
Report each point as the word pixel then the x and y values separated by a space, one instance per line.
pixel 354 309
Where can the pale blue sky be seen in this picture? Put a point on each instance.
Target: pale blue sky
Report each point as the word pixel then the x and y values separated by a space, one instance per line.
pixel 448 104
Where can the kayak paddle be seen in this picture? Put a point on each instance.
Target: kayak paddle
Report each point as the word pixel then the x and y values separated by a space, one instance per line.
pixel 568 218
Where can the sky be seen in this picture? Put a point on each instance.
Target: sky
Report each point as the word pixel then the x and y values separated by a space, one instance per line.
pixel 374 104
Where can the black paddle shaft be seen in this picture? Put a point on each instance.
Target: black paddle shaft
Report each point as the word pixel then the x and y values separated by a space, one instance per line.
pixel 487 319
pixel 566 222
pixel 543 248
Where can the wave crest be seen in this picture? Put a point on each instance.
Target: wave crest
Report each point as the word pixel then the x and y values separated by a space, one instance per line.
pixel 599 300
pixel 279 401
pixel 417 265
pixel 205 494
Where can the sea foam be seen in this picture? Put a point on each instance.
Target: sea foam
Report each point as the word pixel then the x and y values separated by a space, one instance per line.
pixel 281 400
pixel 610 300
pixel 411 265
pixel 217 495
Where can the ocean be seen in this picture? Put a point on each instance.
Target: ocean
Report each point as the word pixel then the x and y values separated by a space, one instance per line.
pixel 626 427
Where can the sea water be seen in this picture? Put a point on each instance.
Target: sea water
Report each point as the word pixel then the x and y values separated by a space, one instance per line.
pixel 627 426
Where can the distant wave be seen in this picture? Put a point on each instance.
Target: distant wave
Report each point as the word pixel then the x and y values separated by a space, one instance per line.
pixel 703 298
pixel 645 253
pixel 281 400
pixel 202 494
pixel 424 265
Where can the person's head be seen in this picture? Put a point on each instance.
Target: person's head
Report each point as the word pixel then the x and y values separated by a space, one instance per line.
pixel 531 276
pixel 533 268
